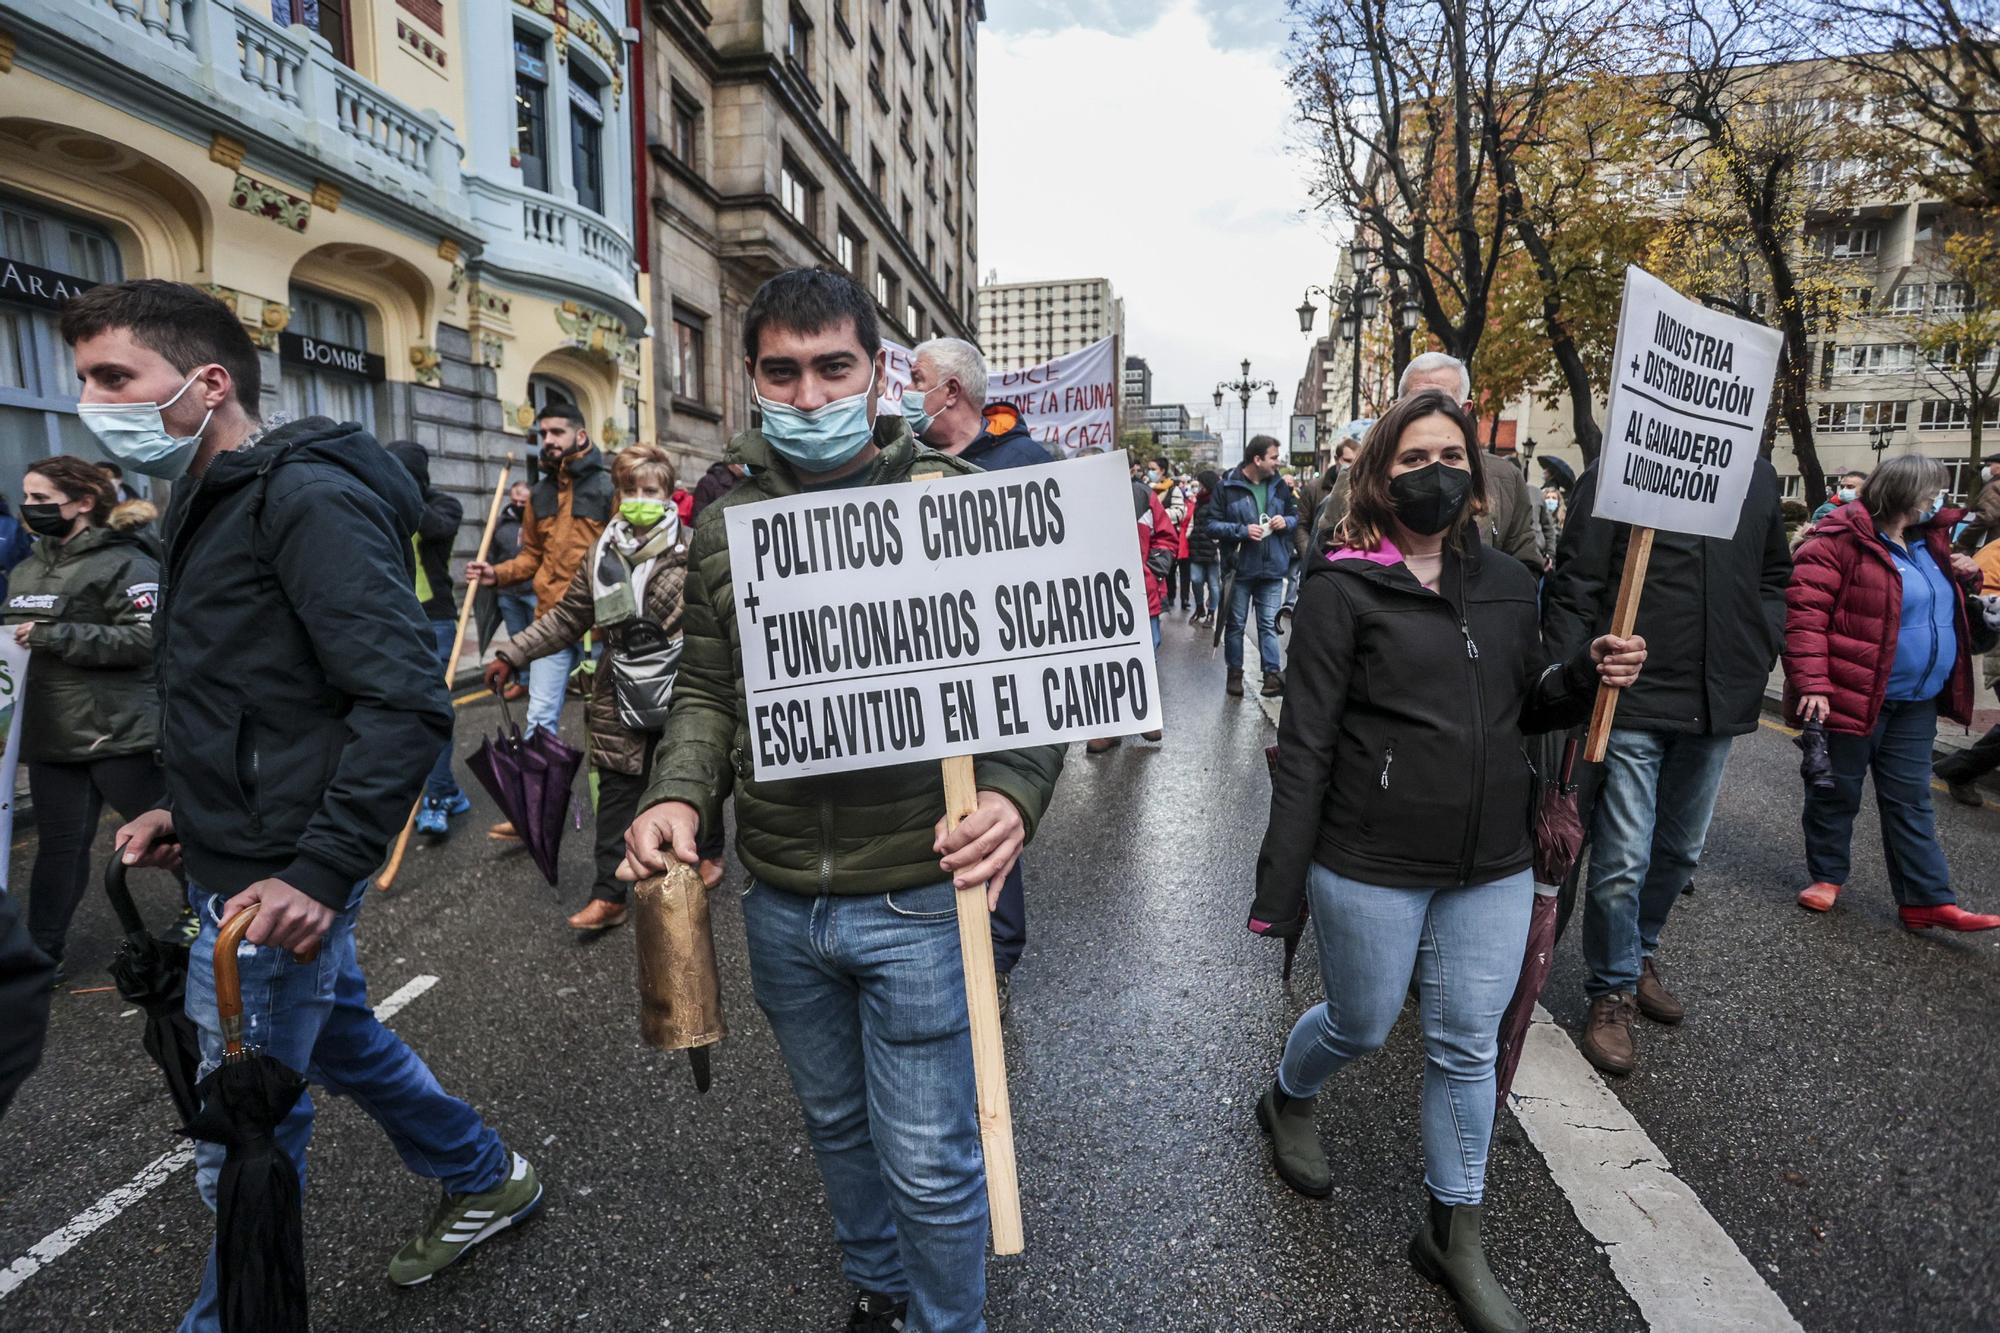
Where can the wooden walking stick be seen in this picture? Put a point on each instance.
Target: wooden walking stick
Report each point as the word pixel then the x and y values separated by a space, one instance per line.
pixel 982 1005
pixel 1638 552
pixel 395 866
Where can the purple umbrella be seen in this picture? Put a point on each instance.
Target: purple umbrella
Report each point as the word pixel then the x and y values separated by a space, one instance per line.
pixel 530 780
pixel 1535 965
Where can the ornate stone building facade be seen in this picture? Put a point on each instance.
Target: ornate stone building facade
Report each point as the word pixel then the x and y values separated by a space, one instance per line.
pixel 421 209
pixel 798 132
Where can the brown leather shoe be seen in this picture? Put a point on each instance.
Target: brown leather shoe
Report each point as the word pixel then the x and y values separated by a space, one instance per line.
pixel 1102 745
pixel 1156 735
pixel 1655 1000
pixel 598 914
pixel 503 832
pixel 1274 684
pixel 1607 1035
pixel 1235 685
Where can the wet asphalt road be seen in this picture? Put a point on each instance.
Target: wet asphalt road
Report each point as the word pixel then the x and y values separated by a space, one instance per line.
pixel 1831 1099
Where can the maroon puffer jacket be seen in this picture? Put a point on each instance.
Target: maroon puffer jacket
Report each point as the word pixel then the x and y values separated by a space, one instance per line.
pixel 1842 611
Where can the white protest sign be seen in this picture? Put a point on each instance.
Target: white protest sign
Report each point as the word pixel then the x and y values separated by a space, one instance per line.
pixel 1689 391
pixel 895 377
pixel 957 616
pixel 1070 404
pixel 13 688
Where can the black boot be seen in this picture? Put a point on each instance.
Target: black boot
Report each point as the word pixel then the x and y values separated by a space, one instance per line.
pixel 1295 1150
pixel 1448 1253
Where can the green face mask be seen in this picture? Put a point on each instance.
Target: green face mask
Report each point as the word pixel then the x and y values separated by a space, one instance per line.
pixel 642 513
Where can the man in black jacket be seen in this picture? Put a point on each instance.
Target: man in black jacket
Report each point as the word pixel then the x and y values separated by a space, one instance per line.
pixel 437 529
pixel 300 703
pixel 1714 613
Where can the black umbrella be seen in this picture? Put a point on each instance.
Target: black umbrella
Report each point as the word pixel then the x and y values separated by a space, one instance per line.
pixel 1305 907
pixel 486 615
pixel 151 972
pixel 260 1253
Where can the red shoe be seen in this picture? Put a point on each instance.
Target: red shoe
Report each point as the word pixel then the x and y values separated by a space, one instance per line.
pixel 1949 915
pixel 1818 897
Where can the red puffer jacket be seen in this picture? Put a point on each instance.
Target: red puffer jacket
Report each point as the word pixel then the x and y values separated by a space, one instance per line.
pixel 1842 612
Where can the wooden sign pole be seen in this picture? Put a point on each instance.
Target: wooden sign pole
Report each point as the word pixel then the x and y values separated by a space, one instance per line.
pixel 1638 553
pixel 388 876
pixel 982 1005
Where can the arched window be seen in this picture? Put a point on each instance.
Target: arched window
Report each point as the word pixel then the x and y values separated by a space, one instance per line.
pixel 44 259
pixel 327 368
pixel 546 389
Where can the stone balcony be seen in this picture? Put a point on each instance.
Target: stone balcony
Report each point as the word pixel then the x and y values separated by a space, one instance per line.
pixel 278 89
pixel 542 242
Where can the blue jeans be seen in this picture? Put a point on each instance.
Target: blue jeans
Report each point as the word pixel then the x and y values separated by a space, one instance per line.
pixel 1646 835
pixel 1465 945
pixel 548 677
pixel 440 785
pixel 1207 585
pixel 1270 596
pixel 867 998
pixel 517 609
pixel 1899 755
pixel 315 1017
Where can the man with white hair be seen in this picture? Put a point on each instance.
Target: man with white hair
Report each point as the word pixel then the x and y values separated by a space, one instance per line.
pixel 945 407
pixel 1510 505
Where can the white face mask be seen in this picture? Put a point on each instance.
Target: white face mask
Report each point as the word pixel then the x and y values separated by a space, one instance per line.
pixel 135 435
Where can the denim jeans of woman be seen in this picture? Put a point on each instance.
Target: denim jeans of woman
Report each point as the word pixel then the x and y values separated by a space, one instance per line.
pixel 1465 946
pixel 1207 582
pixel 1898 756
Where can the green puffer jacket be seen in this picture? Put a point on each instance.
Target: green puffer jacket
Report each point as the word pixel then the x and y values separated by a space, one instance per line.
pixel 91 693
pixel 843 833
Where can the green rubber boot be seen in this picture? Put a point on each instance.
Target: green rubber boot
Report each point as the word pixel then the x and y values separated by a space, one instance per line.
pixel 1448 1253
pixel 1295 1150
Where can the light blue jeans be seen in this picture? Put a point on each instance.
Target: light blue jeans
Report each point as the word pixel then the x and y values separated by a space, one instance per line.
pixel 1465 945
pixel 548 677
pixel 1269 595
pixel 867 998
pixel 315 1017
pixel 1647 830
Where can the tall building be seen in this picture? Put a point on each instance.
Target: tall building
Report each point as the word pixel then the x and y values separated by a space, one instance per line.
pixel 1138 382
pixel 1167 421
pixel 1024 323
pixel 823 132
pixel 1323 391
pixel 425 223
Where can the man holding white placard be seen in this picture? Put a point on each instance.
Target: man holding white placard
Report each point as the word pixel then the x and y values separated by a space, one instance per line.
pixel 1680 467
pixel 850 914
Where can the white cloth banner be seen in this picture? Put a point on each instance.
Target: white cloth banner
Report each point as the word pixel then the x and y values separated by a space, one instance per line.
pixel 956 616
pixel 1689 391
pixel 1070 403
pixel 13 689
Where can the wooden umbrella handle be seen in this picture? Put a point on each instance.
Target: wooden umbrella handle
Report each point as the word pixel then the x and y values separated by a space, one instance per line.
pixel 228 986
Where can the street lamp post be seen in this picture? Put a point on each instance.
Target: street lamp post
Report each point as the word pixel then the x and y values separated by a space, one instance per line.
pixel 1352 305
pixel 1243 388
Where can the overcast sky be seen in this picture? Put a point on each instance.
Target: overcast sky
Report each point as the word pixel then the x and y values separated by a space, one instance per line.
pixel 1147 143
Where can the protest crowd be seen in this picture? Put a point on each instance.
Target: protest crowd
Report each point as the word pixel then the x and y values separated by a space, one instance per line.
pixel 1432 628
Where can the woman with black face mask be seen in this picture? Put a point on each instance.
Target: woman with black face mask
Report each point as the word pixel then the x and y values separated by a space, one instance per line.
pixel 1416 669
pixel 82 604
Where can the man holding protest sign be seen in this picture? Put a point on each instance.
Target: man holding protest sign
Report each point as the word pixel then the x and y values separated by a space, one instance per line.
pixel 850 910
pixel 946 408
pixel 1679 506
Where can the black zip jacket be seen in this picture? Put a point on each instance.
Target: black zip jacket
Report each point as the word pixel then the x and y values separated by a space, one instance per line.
pixel 437 529
pixel 1400 752
pixel 301 703
pixel 1712 614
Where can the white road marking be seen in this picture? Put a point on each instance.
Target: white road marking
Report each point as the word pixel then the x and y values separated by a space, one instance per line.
pixel 1672 1257
pixel 402 995
pixel 154 1174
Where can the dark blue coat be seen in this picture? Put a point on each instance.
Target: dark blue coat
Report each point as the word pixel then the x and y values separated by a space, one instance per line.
pixel 1229 518
pixel 1017 448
